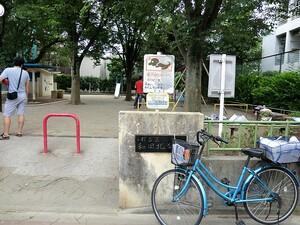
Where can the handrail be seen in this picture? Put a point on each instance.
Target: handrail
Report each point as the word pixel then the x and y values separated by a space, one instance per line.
pixel 61 115
pixel 242 134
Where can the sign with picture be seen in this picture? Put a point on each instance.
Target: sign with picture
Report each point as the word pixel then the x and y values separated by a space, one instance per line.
pixel 159 73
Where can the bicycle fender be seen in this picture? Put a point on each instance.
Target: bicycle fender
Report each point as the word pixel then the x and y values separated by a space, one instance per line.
pixel 201 189
pixel 257 170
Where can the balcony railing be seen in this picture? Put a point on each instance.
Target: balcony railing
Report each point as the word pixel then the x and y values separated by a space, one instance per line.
pixel 278 62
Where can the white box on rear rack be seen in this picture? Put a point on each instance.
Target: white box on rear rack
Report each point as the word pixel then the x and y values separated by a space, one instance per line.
pixel 281 149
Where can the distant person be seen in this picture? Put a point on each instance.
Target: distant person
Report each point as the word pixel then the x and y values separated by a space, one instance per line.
pixel 16 76
pixel 139 91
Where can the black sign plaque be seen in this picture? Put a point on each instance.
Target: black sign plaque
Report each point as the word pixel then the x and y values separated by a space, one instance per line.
pixel 155 143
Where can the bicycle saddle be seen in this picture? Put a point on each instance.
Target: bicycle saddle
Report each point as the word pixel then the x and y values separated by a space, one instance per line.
pixel 253 152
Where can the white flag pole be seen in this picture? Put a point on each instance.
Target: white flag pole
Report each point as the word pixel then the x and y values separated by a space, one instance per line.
pixel 222 91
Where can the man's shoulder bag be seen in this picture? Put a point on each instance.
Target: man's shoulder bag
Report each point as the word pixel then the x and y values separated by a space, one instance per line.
pixel 14 95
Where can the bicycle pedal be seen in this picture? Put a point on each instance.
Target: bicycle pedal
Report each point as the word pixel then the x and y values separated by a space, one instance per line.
pixel 225 181
pixel 240 222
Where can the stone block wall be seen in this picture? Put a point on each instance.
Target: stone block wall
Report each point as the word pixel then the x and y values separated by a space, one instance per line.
pixel 138 171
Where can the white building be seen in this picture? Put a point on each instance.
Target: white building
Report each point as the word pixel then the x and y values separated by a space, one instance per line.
pixel 89 69
pixel 281 49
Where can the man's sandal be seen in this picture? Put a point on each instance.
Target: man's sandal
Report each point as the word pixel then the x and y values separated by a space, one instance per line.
pixel 4 137
pixel 18 135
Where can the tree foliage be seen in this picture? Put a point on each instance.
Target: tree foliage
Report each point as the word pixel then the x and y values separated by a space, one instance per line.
pixel 85 29
pixel 193 29
pixel 78 25
pixel 22 30
pixel 128 31
pixel 202 27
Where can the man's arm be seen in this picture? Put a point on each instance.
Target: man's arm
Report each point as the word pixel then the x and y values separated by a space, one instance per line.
pixel 3 76
pixel 27 87
pixel 1 79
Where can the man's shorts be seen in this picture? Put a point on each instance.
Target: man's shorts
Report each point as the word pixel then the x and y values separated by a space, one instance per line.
pixel 18 104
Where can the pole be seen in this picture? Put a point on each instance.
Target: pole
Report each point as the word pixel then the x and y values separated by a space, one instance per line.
pixel 33 86
pixel 222 91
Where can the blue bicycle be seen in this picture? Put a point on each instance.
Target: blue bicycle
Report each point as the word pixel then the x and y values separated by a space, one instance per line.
pixel 269 193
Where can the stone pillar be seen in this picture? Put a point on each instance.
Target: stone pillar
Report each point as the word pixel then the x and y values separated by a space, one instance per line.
pixel 137 170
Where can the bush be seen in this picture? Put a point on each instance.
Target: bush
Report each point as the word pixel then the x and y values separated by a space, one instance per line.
pixel 244 86
pixel 89 83
pixel 280 90
pixel 63 81
pixel 86 83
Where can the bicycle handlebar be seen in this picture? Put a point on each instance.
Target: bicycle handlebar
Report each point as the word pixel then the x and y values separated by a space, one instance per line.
pixel 202 133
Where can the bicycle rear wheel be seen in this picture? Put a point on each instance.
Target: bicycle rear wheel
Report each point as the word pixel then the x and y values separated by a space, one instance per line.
pixel 280 182
pixel 188 209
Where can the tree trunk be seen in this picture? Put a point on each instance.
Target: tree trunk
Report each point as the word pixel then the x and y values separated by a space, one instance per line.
pixel 193 85
pixel 75 88
pixel 128 87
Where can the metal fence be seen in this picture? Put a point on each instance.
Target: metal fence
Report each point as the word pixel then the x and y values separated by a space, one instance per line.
pixel 246 134
pixel 287 61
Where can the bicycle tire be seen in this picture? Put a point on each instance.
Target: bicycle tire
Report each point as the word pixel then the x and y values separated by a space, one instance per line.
pixel 283 184
pixel 187 210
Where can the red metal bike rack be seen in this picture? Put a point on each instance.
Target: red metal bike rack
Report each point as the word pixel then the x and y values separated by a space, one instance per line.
pixel 61 115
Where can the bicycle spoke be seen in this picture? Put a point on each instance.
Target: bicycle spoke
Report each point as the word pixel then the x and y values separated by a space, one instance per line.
pixel 187 209
pixel 283 191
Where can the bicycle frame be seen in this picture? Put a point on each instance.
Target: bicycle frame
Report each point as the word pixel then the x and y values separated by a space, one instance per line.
pixel 235 194
pixel 232 195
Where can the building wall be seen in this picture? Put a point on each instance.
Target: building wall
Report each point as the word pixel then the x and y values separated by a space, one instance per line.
pixel 284 39
pixel 88 68
pixel 268 49
pixel 44 82
pixel 47 84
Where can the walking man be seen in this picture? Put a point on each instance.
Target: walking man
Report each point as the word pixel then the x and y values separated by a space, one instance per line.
pixel 18 81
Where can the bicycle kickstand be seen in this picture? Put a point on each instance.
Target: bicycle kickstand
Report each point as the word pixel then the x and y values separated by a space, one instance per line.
pixel 238 221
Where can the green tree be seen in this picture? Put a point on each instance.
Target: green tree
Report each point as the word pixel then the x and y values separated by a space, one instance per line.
pixel 128 29
pixel 85 28
pixel 116 69
pixel 76 25
pixel 202 27
pixel 23 33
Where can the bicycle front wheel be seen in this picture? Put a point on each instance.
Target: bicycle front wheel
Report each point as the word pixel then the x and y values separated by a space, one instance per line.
pixel 280 182
pixel 187 210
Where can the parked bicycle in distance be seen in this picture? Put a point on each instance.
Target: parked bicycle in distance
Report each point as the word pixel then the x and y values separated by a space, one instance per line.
pixel 269 192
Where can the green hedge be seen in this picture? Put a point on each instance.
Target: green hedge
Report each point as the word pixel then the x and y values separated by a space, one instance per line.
pixel 86 83
pixel 277 90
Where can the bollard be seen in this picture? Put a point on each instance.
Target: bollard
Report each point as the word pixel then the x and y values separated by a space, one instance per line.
pixel 61 115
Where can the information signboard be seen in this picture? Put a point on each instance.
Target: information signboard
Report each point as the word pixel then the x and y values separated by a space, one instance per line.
pixel 157 100
pixel 159 73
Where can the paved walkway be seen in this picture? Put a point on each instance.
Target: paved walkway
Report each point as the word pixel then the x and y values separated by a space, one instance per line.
pixel 62 187
pixel 98 116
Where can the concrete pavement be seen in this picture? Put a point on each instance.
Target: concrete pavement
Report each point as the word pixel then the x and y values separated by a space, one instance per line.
pixel 120 219
pixel 62 187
